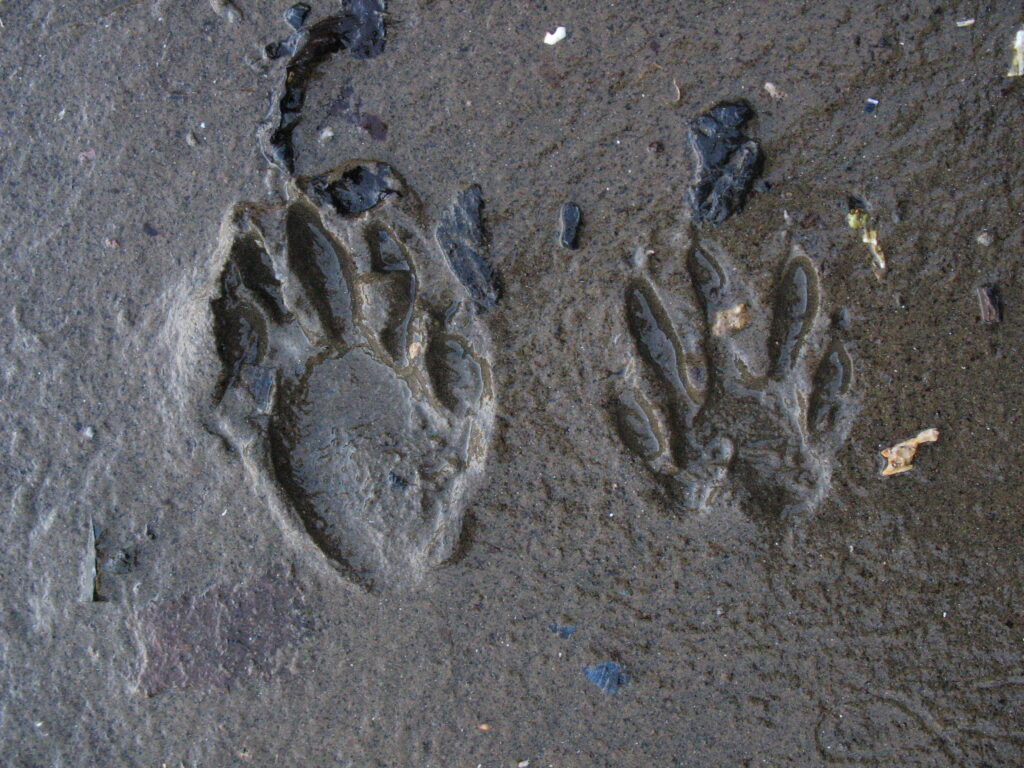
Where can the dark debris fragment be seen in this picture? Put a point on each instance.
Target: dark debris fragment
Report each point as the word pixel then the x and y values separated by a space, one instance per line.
pixel 367 34
pixel 356 188
pixel 359 29
pixel 990 302
pixel 461 236
pixel 728 162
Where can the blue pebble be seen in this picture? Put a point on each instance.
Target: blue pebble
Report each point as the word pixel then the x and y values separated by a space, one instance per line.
pixel 608 676
pixel 563 632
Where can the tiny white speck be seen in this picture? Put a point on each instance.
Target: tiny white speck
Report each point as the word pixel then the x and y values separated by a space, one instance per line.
pixel 554 37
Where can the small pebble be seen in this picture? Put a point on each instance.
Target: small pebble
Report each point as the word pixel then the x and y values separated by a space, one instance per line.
pixel 227 10
pixel 191 139
pixel 869 106
pixel 655 147
pixel 608 676
pixel 569 226
pixel 295 16
pixel 985 238
pixel 563 632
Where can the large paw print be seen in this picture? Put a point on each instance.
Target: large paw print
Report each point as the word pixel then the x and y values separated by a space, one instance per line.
pixel 714 415
pixel 356 383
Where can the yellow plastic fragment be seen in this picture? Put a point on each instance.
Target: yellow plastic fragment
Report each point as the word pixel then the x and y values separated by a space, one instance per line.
pixel 859 219
pixel 730 320
pixel 900 457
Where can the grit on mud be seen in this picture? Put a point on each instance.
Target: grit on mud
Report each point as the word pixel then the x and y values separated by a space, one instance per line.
pixel 397 389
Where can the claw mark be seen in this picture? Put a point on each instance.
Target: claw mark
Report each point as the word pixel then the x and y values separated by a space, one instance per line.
pixel 831 382
pixel 239 330
pixel 651 329
pixel 400 287
pixel 636 422
pixel 796 307
pixel 256 273
pixel 708 280
pixel 458 377
pixel 316 259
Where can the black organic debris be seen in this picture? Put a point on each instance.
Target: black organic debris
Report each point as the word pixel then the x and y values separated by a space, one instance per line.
pixel 355 188
pixel 727 162
pixel 359 29
pixel 461 236
pixel 990 303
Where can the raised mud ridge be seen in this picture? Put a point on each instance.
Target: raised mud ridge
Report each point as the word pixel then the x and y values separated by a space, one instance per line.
pixel 356 373
pixel 713 416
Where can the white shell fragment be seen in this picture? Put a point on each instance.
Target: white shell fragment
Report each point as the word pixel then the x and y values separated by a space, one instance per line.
pixel 1017 65
pixel 965 22
pixel 774 91
pixel 900 458
pixel 554 37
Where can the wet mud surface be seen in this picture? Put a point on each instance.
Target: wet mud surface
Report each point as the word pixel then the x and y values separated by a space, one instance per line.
pixel 354 445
